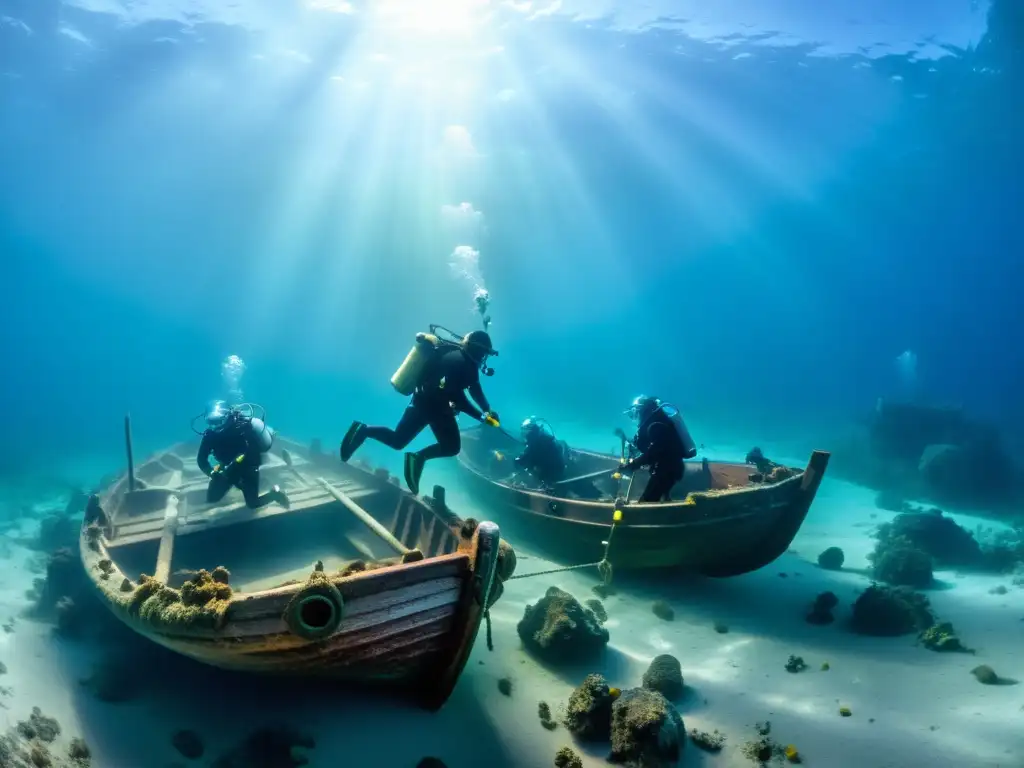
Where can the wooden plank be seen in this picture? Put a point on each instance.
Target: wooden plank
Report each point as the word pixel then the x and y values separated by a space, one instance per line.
pixel 164 555
pixel 273 601
pixel 203 520
pixel 363 612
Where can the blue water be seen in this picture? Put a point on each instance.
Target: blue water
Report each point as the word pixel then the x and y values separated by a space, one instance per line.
pixel 748 208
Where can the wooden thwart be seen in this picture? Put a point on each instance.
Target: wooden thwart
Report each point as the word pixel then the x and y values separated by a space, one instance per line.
pixel 166 551
pixel 408 555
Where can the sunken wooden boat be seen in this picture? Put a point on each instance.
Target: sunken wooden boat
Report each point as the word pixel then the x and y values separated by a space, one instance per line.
pixel 357 581
pixel 725 518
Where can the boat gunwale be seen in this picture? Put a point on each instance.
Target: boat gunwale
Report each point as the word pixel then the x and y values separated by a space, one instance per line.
pixel 94 550
pixel 659 506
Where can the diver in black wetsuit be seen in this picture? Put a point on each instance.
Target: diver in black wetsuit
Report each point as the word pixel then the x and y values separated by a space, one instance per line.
pixel 662 441
pixel 545 456
pixel 440 394
pixel 237 442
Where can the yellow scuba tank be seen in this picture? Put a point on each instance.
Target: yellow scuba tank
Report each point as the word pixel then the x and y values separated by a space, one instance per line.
pixel 409 372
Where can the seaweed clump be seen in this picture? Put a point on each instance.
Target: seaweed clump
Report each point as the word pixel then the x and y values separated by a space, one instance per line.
pixel 665 676
pixel 559 628
pixel 646 730
pixel 890 611
pixel 588 715
pixel 942 637
pixel 201 602
pixel 897 561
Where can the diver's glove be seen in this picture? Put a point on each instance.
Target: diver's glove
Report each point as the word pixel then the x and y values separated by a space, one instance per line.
pixel 217 469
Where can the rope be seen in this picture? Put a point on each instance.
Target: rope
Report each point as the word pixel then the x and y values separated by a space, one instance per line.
pixel 555 570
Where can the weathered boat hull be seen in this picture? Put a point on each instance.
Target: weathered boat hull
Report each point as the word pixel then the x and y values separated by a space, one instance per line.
pixel 723 526
pixel 409 625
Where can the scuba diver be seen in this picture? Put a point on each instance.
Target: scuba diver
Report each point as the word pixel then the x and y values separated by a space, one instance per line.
pixel 437 373
pixel 662 442
pixel 545 456
pixel 237 440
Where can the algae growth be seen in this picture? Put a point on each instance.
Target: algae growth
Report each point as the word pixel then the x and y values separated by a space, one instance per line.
pixel 200 603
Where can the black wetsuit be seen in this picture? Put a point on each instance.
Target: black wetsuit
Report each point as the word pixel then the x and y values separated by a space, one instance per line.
pixel 661 449
pixel 436 402
pixel 544 457
pixel 227 445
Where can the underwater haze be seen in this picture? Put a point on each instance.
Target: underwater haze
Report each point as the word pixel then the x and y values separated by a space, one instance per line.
pixel 750 208
pixel 774 214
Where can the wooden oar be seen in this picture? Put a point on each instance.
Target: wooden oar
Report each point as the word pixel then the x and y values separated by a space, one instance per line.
pixel 589 476
pixel 408 555
pixel 287 457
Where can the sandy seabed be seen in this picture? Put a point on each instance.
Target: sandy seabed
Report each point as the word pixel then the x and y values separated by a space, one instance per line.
pixel 910 706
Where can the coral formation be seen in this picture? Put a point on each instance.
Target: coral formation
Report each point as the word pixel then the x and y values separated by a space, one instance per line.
pixel 598 608
pixel 889 611
pixel 79 751
pixel 721 627
pixel 647 731
pixel 795 664
pixel 559 628
pixel 942 637
pixel 831 559
pixel 945 542
pixel 764 748
pixel 588 715
pixel 778 474
pixel 897 561
pixel 431 762
pixel 665 676
pixel 566 757
pixel 821 610
pixel 505 686
pixel 709 742
pixel 39 726
pixel 188 743
pixel 663 610
pixel 544 713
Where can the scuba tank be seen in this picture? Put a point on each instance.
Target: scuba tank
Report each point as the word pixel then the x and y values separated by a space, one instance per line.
pixel 261 434
pixel 409 373
pixel 689 447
